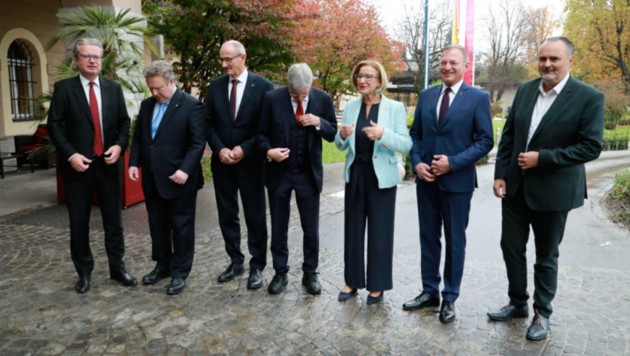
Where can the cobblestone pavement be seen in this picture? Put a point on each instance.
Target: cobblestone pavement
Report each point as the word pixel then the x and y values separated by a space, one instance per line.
pixel 41 313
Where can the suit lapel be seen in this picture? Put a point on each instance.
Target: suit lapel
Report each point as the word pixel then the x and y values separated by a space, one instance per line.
pixel 288 109
pixel 79 93
pixel 531 94
pixel 169 114
pixel 458 98
pixel 433 97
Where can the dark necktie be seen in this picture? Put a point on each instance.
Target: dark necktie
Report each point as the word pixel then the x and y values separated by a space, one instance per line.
pixel 233 99
pixel 96 118
pixel 299 111
pixel 444 106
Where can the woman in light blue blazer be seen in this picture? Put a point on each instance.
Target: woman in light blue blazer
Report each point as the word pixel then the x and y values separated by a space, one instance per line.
pixel 374 128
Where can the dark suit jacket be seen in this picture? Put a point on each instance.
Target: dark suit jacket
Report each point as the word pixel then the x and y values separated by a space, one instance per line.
pixel 70 124
pixel 274 131
pixel 570 134
pixel 225 133
pixel 178 144
pixel 465 136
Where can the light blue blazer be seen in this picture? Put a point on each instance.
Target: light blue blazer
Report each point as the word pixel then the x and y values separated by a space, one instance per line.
pixel 393 117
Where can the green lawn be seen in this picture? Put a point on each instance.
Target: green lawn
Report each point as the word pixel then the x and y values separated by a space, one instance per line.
pixel 331 154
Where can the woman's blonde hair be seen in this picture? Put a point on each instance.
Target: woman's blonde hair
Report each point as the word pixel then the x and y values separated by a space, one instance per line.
pixel 382 75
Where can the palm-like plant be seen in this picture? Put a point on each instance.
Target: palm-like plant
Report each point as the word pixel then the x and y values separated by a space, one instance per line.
pixel 122 35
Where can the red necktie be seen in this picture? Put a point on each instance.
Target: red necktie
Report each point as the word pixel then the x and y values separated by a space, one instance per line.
pixel 233 99
pixel 444 106
pixel 96 118
pixel 299 111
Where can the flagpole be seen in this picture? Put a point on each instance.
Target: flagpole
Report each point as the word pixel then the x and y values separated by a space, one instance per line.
pixel 426 44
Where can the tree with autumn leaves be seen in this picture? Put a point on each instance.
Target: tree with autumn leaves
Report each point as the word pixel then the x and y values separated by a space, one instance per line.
pixel 600 30
pixel 330 35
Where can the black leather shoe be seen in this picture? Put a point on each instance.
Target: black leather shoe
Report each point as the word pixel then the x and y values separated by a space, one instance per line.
pixel 278 283
pixel 447 312
pixel 233 270
pixel 83 284
pixel 311 282
pixel 177 286
pixel 255 279
pixel 538 329
pixel 508 312
pixel 343 296
pixel 373 300
pixel 156 275
pixel 422 301
pixel 123 277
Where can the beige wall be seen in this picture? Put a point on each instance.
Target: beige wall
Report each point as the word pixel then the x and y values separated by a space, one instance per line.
pixel 35 21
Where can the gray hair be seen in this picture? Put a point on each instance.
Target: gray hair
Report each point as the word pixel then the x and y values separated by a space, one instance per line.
pixel 459 48
pixel 565 40
pixel 300 76
pixel 240 49
pixel 160 68
pixel 86 41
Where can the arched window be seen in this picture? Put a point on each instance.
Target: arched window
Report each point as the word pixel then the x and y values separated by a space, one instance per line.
pixel 20 61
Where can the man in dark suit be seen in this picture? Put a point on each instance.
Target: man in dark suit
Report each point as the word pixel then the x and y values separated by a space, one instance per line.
pixel 555 125
pixel 294 119
pixel 451 131
pixel 233 107
pixel 168 142
pixel 89 125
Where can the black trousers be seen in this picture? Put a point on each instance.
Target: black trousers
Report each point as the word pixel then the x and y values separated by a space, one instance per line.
pixel 548 227
pixel 367 205
pixel 228 182
pixel 172 226
pixel 307 199
pixel 78 188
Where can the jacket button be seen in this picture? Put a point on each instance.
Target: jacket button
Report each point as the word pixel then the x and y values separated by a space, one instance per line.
pixel 375 157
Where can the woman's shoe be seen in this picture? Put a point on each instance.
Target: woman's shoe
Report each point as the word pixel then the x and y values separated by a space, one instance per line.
pixel 373 300
pixel 343 296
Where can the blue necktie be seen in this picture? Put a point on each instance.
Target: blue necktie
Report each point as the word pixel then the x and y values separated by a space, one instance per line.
pixel 156 120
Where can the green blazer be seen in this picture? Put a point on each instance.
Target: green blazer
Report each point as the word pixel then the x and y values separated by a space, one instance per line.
pixel 569 135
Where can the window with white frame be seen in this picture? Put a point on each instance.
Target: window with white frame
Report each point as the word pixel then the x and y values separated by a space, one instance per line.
pixel 20 62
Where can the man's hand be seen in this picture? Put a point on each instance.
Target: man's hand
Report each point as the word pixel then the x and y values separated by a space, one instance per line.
pixel 527 160
pixel 79 162
pixel 440 165
pixel 237 154
pixel 225 156
pixel 309 120
pixel 112 154
pixel 134 173
pixel 423 171
pixel 499 188
pixel 179 177
pixel 278 154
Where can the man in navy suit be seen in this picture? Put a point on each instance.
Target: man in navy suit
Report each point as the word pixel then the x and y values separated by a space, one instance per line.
pixel 89 125
pixel 233 106
pixel 168 142
pixel 451 131
pixel 294 119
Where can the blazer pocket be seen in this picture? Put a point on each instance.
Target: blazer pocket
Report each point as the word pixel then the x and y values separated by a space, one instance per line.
pixel 393 160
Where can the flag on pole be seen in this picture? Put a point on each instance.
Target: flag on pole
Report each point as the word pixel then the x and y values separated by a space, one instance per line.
pixel 465 21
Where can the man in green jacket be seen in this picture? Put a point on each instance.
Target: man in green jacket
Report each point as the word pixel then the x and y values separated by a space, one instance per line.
pixel 555 125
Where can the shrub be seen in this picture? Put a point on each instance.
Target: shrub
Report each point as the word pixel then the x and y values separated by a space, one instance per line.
pixel 615 141
pixel 619 196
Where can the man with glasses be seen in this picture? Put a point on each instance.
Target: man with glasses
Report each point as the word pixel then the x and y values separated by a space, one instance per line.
pixel 294 119
pixel 233 106
pixel 89 125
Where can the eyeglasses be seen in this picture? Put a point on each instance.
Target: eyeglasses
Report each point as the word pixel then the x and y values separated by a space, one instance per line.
pixel 367 77
pixel 90 56
pixel 228 59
